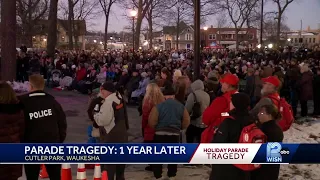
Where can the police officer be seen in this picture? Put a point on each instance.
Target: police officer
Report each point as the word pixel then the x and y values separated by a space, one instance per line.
pixel 45 123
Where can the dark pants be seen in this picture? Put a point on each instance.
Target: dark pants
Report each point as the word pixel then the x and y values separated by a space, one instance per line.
pixel 172 168
pixel 304 108
pixel 316 106
pixel 22 76
pixel 193 134
pixel 294 101
pixel 114 170
pixel 32 171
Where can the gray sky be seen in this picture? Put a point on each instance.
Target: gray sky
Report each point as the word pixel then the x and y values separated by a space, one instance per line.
pixel 306 10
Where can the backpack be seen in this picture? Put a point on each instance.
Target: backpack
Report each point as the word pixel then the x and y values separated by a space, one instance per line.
pixel 251 134
pixel 286 111
pixel 196 109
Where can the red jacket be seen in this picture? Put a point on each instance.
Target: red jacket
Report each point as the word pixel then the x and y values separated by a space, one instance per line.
pixel 148 132
pixel 212 115
pixel 81 74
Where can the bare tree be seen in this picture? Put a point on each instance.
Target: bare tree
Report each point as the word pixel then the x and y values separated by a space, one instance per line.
pixel 271 27
pixel 52 27
pixel 180 13
pixel 8 40
pixel 71 5
pixel 83 10
pixel 156 13
pixel 239 11
pixel 106 8
pixel 221 23
pixel 30 12
pixel 142 7
pixel 281 6
pixel 208 7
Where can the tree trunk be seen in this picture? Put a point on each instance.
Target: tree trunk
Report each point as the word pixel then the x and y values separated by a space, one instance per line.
pixel 150 31
pixel 278 29
pixel 138 25
pixel 27 36
pixel 52 27
pixel 75 34
pixel 70 24
pixel 137 33
pixel 178 30
pixel 106 32
pixel 8 40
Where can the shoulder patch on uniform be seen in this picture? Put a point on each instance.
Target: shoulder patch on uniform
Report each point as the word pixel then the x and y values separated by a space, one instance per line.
pixel 119 106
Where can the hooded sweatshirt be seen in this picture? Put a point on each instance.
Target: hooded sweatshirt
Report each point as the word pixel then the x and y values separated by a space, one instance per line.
pixel 202 97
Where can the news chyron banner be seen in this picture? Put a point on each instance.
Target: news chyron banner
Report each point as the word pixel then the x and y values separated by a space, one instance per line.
pixel 273 153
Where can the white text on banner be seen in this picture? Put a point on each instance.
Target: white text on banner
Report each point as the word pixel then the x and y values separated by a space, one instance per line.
pixel 225 153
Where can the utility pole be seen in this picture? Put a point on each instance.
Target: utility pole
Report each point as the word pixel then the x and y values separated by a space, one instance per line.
pixel 261 23
pixel 196 63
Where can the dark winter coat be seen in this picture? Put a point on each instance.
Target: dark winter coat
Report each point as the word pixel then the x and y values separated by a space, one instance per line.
pixel 316 87
pixel 274 134
pixel 11 131
pixel 94 106
pixel 133 84
pixel 250 85
pixel 305 86
pixel 44 117
pixel 229 132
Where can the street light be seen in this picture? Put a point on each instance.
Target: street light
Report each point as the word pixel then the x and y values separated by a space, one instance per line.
pixel 270 46
pixel 259 46
pixel 289 40
pixel 205 35
pixel 133 14
pixel 95 41
pixel 101 42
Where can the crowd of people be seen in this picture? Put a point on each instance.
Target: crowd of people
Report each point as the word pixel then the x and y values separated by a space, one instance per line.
pixel 235 89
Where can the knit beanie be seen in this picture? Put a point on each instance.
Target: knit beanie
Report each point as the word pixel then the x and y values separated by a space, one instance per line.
pixel 240 101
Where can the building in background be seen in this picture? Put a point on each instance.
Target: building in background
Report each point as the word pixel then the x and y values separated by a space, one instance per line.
pixel 306 38
pixel 227 36
pixel 39 39
pixel 157 39
pixel 185 39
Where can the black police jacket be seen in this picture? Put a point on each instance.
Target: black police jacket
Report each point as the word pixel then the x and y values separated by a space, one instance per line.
pixel 45 120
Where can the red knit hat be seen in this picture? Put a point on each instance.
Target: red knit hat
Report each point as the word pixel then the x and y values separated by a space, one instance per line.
pixel 230 79
pixel 272 80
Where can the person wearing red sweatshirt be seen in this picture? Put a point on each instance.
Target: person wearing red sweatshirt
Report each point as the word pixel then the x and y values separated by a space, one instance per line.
pixel 220 106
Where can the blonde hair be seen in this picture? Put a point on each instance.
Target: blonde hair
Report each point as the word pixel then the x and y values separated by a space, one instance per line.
pixel 153 94
pixel 37 81
pixel 7 94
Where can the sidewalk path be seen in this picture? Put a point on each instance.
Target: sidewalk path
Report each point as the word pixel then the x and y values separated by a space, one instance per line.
pixel 75 107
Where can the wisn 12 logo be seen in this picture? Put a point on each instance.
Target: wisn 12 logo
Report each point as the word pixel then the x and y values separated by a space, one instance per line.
pixel 275 152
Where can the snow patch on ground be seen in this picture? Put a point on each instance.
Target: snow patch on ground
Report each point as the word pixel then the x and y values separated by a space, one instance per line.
pixel 306 132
